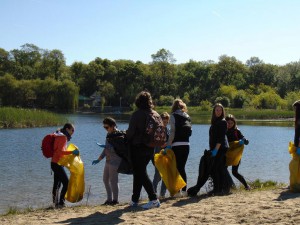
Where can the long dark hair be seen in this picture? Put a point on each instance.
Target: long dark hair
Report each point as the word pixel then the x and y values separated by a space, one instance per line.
pixel 144 100
pixel 110 122
pixel 213 116
pixel 232 118
pixel 64 130
pixel 296 106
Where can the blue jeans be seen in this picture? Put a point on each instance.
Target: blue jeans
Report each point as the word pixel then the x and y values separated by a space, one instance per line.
pixel 155 182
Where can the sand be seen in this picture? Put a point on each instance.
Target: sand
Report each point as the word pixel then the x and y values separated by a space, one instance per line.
pixel 277 206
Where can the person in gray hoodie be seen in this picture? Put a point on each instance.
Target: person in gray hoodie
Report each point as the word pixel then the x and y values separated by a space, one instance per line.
pixel 180 132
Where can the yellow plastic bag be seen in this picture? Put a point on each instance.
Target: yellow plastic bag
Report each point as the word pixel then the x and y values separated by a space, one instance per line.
pixel 76 182
pixel 294 167
pixel 234 153
pixel 166 165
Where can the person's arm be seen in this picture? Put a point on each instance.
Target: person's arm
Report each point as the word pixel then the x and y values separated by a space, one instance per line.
pixel 221 132
pixel 132 127
pixel 172 130
pixel 60 144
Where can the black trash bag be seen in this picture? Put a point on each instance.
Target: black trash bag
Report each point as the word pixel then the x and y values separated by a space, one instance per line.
pixel 205 169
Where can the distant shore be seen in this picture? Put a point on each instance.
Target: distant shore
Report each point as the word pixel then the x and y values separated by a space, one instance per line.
pixel 275 206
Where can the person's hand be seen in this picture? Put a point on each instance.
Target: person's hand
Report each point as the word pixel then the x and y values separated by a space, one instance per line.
pixel 95 161
pixel 75 152
pixel 101 145
pixel 164 151
pixel 214 152
pixel 168 147
pixel 246 141
pixel 241 142
pixel 298 151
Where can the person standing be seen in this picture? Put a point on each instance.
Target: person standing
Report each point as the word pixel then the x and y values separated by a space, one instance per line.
pixel 234 134
pixel 219 145
pixel 62 136
pixel 141 154
pixel 180 132
pixel 157 178
pixel 110 173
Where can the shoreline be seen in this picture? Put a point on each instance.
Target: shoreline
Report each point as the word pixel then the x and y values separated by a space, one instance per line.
pixel 276 205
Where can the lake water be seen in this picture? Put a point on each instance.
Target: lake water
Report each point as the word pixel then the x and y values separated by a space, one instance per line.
pixel 26 180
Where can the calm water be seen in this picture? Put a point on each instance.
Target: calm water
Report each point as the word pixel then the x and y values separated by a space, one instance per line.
pixel 26 179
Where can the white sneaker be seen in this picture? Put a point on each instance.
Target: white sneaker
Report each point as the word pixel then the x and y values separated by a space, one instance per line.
pixel 151 204
pixel 184 194
pixel 177 195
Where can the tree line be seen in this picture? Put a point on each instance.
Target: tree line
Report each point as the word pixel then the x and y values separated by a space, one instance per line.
pixel 31 76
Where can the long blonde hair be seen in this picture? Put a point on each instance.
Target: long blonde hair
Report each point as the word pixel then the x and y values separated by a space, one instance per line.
pixel 179 104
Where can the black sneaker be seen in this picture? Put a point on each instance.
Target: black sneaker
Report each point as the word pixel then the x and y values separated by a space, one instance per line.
pixel 114 202
pixel 60 205
pixel 107 202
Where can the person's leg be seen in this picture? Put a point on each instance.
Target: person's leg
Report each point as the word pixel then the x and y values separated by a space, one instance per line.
pixel 181 154
pixel 239 176
pixel 56 184
pixel 140 159
pixel 156 179
pixel 217 172
pixel 106 182
pixel 137 165
pixel 163 189
pixel 114 182
pixel 60 176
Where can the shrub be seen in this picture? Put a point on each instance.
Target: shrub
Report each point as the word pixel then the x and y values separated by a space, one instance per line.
pixel 205 105
pixel 223 100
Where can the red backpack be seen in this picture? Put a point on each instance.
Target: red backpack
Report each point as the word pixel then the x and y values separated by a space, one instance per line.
pixel 155 133
pixel 48 145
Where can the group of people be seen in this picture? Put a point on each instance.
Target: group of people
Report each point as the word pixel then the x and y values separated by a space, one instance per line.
pixel 222 131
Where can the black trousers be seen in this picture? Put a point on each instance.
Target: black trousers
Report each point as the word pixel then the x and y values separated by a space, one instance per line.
pixel 238 175
pixel 181 153
pixel 60 177
pixel 141 156
pixel 221 177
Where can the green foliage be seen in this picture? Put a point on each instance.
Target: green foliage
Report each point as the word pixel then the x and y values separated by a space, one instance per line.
pixel 269 184
pixel 186 98
pixel 205 105
pixel 239 99
pixel 19 117
pixel 291 97
pixel 223 100
pixel 165 100
pixel 268 100
pixel 35 77
pixel 47 94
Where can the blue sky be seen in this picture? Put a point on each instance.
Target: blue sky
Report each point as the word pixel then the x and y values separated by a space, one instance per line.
pixel 134 29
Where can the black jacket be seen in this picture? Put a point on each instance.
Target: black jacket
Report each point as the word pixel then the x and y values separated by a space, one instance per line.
pixel 234 134
pixel 217 134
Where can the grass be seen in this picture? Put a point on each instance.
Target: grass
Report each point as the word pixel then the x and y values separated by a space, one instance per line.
pixel 262 185
pixel 19 118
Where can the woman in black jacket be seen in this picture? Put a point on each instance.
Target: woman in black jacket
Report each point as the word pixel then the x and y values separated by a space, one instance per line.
pixel 141 154
pixel 219 145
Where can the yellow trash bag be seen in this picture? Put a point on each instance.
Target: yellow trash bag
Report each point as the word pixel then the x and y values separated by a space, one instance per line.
pixel 166 165
pixel 234 153
pixel 294 167
pixel 76 182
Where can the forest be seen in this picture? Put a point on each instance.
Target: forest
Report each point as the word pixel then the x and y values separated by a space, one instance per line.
pixel 32 77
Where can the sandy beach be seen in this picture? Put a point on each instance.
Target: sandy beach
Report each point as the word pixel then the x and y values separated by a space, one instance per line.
pixel 277 206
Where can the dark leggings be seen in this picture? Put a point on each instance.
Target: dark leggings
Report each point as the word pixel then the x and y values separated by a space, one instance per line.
pixel 221 177
pixel 60 177
pixel 141 156
pixel 181 153
pixel 239 176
